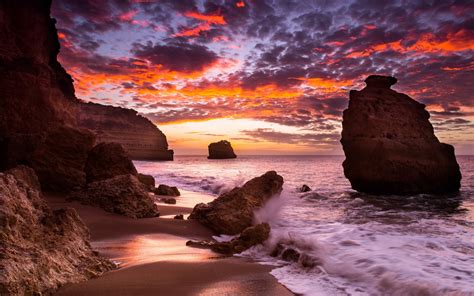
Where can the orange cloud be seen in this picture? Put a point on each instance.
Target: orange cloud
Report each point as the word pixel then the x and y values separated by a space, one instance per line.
pixel 326 85
pixel 428 43
pixel 211 19
pixel 240 4
pixel 207 21
pixel 194 31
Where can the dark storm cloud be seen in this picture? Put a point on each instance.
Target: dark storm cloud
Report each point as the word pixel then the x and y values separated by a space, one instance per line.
pixel 181 57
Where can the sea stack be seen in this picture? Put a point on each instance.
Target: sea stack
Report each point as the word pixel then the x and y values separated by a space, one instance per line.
pixel 390 145
pixel 221 150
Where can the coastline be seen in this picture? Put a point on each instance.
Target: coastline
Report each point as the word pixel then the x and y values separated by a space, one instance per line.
pixel 153 258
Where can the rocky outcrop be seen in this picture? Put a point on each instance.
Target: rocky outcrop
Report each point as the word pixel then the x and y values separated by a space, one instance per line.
pixel 107 160
pixel 167 190
pixel 138 135
pixel 37 93
pixel 124 195
pixel 251 236
pixel 60 157
pixel 221 150
pixel 232 212
pixel 41 249
pixel 148 181
pixel 390 145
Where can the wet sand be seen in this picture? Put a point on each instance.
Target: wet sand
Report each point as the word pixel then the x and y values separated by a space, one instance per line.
pixel 154 260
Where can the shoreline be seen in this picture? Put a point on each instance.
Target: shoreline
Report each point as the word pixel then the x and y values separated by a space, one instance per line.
pixel 154 259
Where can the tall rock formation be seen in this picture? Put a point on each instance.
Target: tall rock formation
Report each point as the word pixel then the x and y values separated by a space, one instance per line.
pixel 221 150
pixel 138 135
pixel 36 92
pixel 390 145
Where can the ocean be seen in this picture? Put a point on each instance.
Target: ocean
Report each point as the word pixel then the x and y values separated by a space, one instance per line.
pixel 360 244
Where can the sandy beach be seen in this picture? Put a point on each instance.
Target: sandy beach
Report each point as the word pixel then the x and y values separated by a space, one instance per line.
pixel 154 260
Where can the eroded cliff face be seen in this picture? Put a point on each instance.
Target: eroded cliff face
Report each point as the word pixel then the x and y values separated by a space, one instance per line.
pixel 36 92
pixel 390 145
pixel 138 135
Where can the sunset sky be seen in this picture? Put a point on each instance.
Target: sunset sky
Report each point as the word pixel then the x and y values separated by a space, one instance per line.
pixel 270 76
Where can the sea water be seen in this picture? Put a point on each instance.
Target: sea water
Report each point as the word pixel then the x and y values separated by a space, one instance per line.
pixel 358 244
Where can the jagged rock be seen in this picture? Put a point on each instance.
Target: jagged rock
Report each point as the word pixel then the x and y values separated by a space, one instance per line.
pixel 26 175
pixel 390 145
pixel 167 190
pixel 304 188
pixel 179 217
pixel 221 150
pixel 232 212
pixel 169 200
pixel 148 181
pixel 60 157
pixel 138 135
pixel 41 249
pixel 123 195
pixel 107 160
pixel 250 237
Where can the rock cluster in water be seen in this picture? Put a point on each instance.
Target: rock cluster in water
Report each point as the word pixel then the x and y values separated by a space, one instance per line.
pixel 221 150
pixel 232 212
pixel 251 236
pixel 390 145
pixel 41 249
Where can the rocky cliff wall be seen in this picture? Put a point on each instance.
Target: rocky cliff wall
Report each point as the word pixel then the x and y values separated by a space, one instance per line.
pixel 138 135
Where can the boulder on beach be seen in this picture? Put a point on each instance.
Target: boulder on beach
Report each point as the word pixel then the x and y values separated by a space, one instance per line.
pixel 124 195
pixel 232 212
pixel 107 160
pixel 169 200
pixel 60 157
pixel 41 249
pixel 148 181
pixel 163 189
pixel 251 236
pixel 390 145
pixel 221 150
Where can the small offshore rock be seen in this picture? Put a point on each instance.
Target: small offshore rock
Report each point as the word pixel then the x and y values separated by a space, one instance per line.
pixel 179 217
pixel 167 190
pixel 304 188
pixel 221 150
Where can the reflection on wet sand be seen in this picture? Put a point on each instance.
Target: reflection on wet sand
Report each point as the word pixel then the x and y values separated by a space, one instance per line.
pixel 142 249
